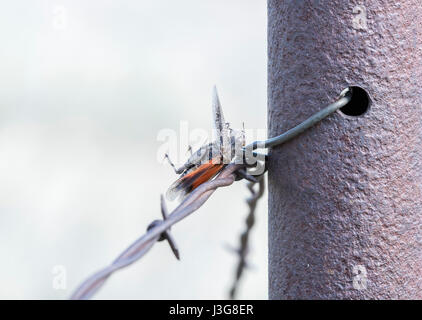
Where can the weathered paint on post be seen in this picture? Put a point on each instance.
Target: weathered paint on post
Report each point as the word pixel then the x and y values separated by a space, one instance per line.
pixel 345 197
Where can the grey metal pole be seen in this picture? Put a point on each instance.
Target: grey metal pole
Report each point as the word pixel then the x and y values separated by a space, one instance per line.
pixel 345 197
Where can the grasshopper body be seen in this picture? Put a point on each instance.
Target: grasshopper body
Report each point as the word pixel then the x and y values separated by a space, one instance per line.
pixel 205 163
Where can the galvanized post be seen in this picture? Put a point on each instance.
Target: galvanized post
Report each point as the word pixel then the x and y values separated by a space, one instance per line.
pixel 345 197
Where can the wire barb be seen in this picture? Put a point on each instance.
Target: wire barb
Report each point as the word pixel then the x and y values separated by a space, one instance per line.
pixel 165 235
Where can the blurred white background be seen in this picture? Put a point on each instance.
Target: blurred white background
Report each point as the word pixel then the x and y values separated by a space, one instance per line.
pixel 85 87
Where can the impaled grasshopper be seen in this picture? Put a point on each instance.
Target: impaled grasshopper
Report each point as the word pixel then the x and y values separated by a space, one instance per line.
pixel 205 163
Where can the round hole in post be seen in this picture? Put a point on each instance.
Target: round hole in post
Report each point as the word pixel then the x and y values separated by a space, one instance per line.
pixel 359 104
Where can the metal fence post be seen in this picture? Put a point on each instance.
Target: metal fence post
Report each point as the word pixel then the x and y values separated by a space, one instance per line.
pixel 345 197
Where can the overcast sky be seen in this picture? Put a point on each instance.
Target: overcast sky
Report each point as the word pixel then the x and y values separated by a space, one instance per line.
pixel 85 88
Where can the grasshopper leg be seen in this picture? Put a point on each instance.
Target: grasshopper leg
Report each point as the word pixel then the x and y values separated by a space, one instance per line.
pixel 190 150
pixel 177 170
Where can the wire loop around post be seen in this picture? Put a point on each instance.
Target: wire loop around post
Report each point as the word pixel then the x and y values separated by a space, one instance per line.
pixel 345 98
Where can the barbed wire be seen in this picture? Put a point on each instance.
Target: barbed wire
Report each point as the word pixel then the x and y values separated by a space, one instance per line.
pixel 243 250
pixel 159 230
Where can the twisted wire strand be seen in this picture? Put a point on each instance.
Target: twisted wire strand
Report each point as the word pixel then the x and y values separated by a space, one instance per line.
pixel 141 246
pixel 242 252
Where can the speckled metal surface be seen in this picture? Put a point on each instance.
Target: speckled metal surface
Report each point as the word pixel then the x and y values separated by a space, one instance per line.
pixel 345 197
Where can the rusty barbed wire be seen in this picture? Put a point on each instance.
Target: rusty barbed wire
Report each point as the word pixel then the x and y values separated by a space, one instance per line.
pixel 159 230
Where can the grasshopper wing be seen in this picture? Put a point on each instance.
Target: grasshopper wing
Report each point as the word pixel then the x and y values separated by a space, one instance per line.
pixel 223 132
pixel 193 179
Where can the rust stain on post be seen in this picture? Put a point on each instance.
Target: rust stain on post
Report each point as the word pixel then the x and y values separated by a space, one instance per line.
pixel 345 197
